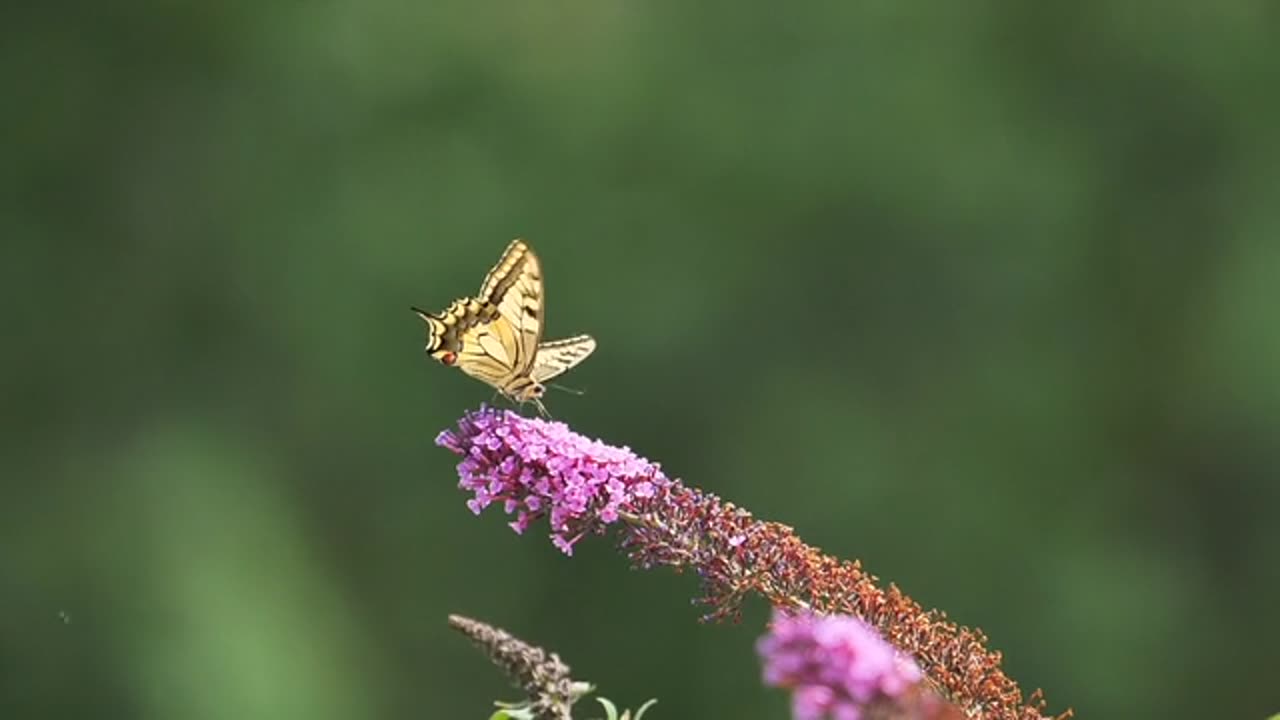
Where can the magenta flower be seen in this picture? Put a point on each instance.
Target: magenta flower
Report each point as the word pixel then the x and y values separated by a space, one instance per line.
pixel 536 468
pixel 836 665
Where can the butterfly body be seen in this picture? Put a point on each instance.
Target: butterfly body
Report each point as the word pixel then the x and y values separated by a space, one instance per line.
pixel 496 337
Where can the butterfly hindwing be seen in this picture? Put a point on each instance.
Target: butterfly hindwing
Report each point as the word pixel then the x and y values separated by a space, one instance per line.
pixel 485 353
pixel 444 330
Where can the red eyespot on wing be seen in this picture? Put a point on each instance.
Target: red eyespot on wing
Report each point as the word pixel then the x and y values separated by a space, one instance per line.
pixel 449 358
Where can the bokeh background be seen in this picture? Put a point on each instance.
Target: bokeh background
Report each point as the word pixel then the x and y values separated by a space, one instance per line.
pixel 984 294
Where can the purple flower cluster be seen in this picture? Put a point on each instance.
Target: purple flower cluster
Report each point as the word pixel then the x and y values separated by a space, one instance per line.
pixel 536 467
pixel 835 664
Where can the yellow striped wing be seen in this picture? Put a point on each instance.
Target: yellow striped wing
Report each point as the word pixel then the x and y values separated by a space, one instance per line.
pixel 514 287
pixel 557 356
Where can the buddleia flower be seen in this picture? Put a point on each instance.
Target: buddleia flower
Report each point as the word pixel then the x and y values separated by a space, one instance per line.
pixel 534 468
pixel 838 667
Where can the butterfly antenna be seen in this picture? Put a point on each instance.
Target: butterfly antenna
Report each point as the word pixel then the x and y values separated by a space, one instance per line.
pixel 573 391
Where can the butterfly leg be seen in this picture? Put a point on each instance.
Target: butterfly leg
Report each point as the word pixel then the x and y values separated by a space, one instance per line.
pixel 542 409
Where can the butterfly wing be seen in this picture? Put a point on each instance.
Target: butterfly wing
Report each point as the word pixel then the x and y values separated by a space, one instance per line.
pixel 487 352
pixel 504 273
pixel 445 329
pixel 499 343
pixel 514 287
pixel 557 356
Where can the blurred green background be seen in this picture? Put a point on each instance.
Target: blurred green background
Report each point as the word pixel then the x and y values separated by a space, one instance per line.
pixel 985 295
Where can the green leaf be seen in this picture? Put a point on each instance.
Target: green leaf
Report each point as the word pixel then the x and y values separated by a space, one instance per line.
pixel 610 710
pixel 512 711
pixel 646 706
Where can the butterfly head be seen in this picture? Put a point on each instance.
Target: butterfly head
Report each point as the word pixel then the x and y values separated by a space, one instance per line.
pixel 533 394
pixel 530 393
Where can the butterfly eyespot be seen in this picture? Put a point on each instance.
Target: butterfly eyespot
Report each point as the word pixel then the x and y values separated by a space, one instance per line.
pixel 449 358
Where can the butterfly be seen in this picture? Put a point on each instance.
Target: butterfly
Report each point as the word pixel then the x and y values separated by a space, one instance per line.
pixel 496 336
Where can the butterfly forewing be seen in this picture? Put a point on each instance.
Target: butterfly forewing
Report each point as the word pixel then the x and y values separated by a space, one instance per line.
pixel 558 356
pixel 505 272
pixel 516 291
